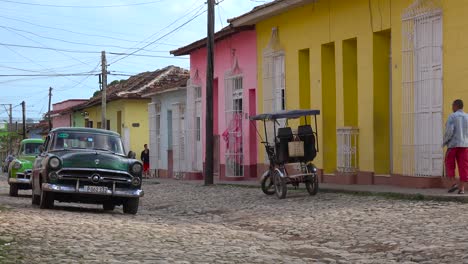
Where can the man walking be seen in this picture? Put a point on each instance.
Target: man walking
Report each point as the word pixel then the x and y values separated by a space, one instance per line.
pixel 145 159
pixel 456 140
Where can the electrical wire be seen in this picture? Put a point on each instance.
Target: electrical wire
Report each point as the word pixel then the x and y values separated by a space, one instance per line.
pixel 81 33
pixel 83 51
pixel 196 9
pixel 40 65
pixel 192 9
pixel 76 43
pixel 50 75
pixel 144 55
pixel 165 35
pixel 80 82
pixel 42 71
pixel 219 14
pixel 45 46
pixel 76 6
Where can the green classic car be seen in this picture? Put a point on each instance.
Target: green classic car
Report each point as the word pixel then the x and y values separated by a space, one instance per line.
pixel 19 172
pixel 88 166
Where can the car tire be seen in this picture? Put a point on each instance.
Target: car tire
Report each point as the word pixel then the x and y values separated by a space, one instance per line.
pixel 13 190
pixel 46 200
pixel 108 206
pixel 130 206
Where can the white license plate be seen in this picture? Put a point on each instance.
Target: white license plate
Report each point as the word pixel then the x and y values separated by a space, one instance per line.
pixel 95 189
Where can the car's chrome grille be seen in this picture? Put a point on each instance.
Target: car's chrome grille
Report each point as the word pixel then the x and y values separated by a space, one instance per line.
pixel 86 175
pixel 23 176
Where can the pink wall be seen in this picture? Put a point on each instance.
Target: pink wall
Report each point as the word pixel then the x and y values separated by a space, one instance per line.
pixel 64 120
pixel 61 121
pixel 66 104
pixel 244 44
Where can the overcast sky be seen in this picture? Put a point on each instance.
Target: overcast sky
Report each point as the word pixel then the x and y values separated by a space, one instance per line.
pixel 86 28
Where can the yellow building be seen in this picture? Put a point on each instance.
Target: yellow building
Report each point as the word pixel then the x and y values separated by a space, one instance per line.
pixel 126 111
pixel 128 117
pixel 383 73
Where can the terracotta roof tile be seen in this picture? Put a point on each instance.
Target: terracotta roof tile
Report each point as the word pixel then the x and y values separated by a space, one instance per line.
pixel 141 84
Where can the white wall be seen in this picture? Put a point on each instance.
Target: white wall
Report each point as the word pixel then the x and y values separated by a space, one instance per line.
pixel 166 100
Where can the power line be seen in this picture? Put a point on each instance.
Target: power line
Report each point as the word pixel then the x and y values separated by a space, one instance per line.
pixel 143 55
pixel 81 33
pixel 196 9
pixel 165 35
pixel 50 75
pixel 76 43
pixel 76 6
pixel 47 69
pixel 80 82
pixel 46 46
pixel 84 51
pixel 41 71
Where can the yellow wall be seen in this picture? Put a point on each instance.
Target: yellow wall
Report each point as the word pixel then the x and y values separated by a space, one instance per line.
pixel 319 25
pixel 310 27
pixel 381 96
pixel 133 111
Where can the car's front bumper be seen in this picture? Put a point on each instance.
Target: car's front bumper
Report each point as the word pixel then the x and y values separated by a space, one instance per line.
pixel 24 181
pixel 116 192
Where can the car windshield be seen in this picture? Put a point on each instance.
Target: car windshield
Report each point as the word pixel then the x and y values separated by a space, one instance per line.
pixel 30 148
pixel 92 141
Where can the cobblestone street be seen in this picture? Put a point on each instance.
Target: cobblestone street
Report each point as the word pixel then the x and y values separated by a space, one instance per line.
pixel 181 222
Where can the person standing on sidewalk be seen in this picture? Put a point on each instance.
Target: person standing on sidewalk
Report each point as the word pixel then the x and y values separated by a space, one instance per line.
pixel 456 140
pixel 146 160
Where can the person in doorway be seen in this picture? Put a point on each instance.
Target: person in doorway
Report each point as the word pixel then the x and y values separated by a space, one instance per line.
pixel 456 140
pixel 145 159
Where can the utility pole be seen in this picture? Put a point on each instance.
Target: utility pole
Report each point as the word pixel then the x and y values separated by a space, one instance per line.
pixel 10 130
pixel 23 106
pixel 104 87
pixel 48 113
pixel 209 155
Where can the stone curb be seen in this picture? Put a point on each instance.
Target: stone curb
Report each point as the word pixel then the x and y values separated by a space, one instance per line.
pixel 388 195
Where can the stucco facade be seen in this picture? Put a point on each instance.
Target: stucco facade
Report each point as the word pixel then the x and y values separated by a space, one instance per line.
pixel 62 113
pixel 128 117
pixel 235 84
pixel 387 68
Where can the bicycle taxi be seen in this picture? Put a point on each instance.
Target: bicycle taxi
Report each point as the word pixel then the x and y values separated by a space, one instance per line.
pixel 288 146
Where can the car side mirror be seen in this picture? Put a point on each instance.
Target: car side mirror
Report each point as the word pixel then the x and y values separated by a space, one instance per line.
pixel 41 149
pixel 131 155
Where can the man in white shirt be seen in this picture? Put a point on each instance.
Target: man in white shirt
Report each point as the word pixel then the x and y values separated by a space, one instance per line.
pixel 456 140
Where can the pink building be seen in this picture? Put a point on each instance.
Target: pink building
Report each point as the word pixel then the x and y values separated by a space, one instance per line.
pixel 235 73
pixel 62 112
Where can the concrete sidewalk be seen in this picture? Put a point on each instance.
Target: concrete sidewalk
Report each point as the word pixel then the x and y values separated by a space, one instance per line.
pixel 378 190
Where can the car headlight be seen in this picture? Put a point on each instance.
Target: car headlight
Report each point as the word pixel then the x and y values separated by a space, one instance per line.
pixel 54 163
pixel 17 165
pixel 136 168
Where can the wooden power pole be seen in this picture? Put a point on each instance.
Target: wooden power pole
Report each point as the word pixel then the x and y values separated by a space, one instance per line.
pixel 23 106
pixel 209 155
pixel 104 88
pixel 48 113
pixel 10 130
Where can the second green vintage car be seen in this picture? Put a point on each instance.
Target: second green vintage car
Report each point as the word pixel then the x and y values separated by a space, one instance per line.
pixel 19 172
pixel 88 166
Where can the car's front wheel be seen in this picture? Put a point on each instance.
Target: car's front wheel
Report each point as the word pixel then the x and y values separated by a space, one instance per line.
pixel 130 206
pixel 13 190
pixel 46 200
